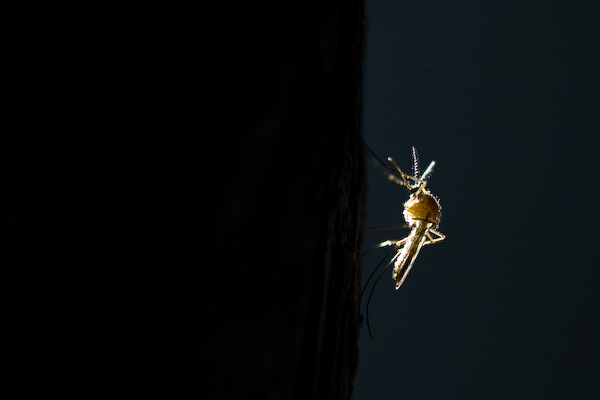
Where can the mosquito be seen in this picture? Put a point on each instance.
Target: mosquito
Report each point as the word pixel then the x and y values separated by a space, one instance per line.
pixel 422 213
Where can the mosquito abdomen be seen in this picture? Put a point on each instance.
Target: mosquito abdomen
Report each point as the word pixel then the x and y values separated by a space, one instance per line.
pixel 410 251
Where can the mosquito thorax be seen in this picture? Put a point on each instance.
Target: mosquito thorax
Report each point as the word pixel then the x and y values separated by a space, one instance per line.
pixel 422 206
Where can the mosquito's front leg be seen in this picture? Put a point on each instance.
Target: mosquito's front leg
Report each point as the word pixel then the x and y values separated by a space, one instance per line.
pixel 402 174
pixel 395 179
pixel 404 178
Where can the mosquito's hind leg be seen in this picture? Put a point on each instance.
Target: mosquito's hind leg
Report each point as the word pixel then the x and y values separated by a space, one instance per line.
pixel 431 240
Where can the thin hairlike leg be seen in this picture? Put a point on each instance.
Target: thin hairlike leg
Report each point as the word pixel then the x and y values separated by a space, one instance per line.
pixel 402 174
pixel 439 238
pixel 388 243
pixel 430 240
pixel 397 180
pixel 390 159
pixel 419 182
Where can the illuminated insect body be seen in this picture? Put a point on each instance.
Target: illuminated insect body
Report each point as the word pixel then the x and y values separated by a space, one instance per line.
pixel 422 214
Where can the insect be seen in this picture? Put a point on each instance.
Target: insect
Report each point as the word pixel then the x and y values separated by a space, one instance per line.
pixel 422 213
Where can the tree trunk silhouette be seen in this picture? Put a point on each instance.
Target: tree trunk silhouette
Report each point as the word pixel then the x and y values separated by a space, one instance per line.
pixel 274 312
pixel 219 256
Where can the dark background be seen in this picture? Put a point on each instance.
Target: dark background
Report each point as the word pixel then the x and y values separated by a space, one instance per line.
pixel 505 96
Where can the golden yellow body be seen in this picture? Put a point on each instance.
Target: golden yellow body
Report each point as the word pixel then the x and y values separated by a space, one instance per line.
pixel 422 214
pixel 422 206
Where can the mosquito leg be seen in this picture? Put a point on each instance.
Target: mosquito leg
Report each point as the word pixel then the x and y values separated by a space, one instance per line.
pixel 388 243
pixel 382 165
pixel 418 192
pixel 434 240
pixel 440 235
pixel 402 174
pixel 405 176
pixel 395 179
pixel 371 295
pixel 375 270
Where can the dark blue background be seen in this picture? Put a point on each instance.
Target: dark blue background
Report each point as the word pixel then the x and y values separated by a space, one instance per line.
pixel 505 96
